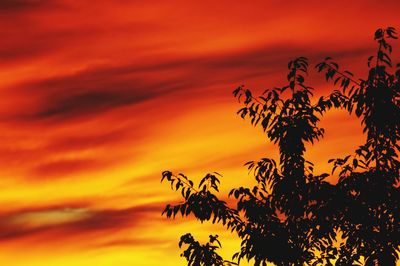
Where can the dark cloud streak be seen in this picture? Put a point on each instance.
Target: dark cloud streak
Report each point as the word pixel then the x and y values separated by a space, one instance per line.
pixel 19 5
pixel 103 88
pixel 102 221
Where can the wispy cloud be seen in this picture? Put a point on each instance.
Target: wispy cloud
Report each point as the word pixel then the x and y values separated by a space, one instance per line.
pixel 68 223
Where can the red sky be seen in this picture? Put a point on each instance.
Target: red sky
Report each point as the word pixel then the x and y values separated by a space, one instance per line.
pixel 99 97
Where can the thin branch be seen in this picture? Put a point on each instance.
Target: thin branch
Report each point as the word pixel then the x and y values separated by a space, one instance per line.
pixel 344 75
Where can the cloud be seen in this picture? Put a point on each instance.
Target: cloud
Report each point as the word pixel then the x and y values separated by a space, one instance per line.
pixel 67 167
pixel 132 242
pixel 81 122
pixel 87 103
pixel 99 89
pixel 93 91
pixel 54 224
pixel 18 5
pixel 88 140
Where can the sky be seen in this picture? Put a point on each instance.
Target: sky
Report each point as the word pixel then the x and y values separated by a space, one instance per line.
pixel 97 98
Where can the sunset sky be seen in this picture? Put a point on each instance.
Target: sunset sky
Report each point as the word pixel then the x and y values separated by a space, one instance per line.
pixel 99 97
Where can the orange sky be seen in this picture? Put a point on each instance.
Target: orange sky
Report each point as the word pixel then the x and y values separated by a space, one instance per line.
pixel 99 97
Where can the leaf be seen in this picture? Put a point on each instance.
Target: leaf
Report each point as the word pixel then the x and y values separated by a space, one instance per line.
pixel 167 175
pixel 378 34
pixel 355 163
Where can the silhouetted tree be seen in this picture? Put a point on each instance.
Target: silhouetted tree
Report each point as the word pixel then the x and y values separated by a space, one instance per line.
pixel 278 221
pixel 369 183
pixel 291 216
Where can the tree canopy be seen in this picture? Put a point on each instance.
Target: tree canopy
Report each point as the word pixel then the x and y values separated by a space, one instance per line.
pixel 292 215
